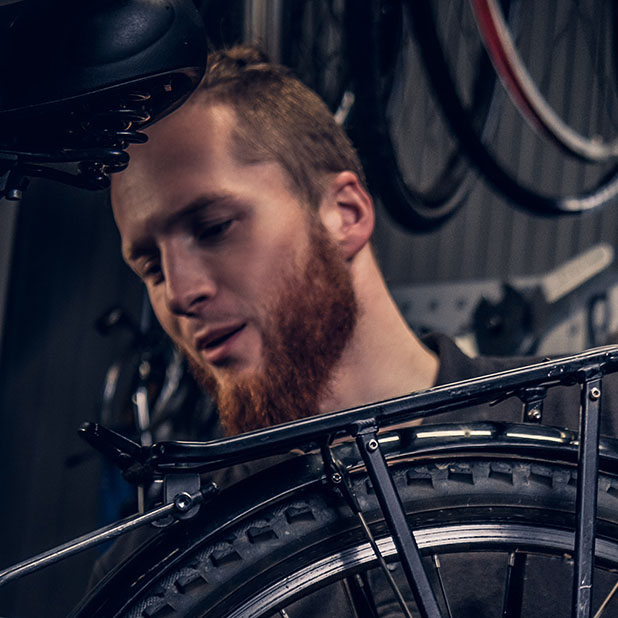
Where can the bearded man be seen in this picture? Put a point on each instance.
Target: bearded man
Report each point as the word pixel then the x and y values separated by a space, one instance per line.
pixel 248 219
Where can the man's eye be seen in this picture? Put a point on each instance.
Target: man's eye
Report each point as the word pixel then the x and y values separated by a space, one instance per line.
pixel 151 271
pixel 213 231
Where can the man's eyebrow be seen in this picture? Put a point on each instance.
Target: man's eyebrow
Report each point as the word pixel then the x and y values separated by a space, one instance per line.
pixel 198 205
pixel 209 200
pixel 135 251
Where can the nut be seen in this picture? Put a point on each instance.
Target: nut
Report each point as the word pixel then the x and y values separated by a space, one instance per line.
pixel 372 445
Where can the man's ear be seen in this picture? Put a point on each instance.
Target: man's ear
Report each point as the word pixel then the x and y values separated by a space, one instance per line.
pixel 347 212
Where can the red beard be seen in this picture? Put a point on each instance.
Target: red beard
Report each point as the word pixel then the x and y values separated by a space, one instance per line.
pixel 310 324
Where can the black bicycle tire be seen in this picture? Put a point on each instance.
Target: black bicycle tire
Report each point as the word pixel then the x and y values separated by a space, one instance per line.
pixel 201 573
pixel 306 34
pixel 414 208
pixel 525 95
pixel 606 190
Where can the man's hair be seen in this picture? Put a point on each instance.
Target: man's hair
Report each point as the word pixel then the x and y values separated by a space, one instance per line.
pixel 279 119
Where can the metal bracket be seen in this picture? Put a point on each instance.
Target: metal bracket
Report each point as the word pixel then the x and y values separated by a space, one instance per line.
pixel 394 514
pixel 587 482
pixel 179 489
pixel 340 481
pixel 182 503
pixel 533 398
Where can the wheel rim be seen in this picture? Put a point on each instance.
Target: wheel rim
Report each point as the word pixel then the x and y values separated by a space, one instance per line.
pixel 478 537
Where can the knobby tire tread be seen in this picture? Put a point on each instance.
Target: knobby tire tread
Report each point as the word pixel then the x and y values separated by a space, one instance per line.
pixel 218 572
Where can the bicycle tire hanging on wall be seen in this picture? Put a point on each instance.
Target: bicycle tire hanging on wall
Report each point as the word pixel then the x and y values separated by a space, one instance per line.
pixel 566 163
pixel 410 156
pixel 312 44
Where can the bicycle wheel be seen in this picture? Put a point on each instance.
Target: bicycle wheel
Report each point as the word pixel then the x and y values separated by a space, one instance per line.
pixel 495 530
pixel 563 162
pixel 410 156
pixel 312 41
pixel 525 95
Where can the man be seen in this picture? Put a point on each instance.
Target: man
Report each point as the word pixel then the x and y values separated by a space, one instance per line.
pixel 247 217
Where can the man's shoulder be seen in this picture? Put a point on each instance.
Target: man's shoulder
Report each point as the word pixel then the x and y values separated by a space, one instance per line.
pixel 561 406
pixel 456 365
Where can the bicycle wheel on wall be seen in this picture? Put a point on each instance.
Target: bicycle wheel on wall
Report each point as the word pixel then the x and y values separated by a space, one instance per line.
pixel 566 50
pixel 411 158
pixel 312 41
pixel 495 532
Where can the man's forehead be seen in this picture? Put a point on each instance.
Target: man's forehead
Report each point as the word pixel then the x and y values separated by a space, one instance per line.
pixel 213 121
pixel 192 137
pixel 190 160
pixel 192 127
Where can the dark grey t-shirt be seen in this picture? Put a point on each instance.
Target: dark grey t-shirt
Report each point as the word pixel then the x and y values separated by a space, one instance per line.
pixel 561 408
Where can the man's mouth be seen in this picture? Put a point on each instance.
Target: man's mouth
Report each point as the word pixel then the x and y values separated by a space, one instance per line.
pixel 215 344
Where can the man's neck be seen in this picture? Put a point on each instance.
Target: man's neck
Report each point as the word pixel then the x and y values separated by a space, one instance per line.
pixel 385 358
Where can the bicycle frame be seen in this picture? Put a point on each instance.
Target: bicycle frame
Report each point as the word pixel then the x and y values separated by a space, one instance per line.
pixel 181 462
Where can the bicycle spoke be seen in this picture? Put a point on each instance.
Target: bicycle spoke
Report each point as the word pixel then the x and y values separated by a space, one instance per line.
pixel 360 596
pixel 438 572
pixel 389 577
pixel 514 585
pixel 606 601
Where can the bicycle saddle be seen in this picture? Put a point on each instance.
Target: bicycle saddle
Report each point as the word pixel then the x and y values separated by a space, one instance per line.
pixel 78 79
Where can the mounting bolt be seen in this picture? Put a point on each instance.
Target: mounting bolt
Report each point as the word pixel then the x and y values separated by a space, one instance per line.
pixel 336 477
pixel 372 445
pixel 183 502
pixel 595 393
pixel 534 414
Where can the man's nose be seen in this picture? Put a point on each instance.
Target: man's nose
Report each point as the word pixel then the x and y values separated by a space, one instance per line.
pixel 188 282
